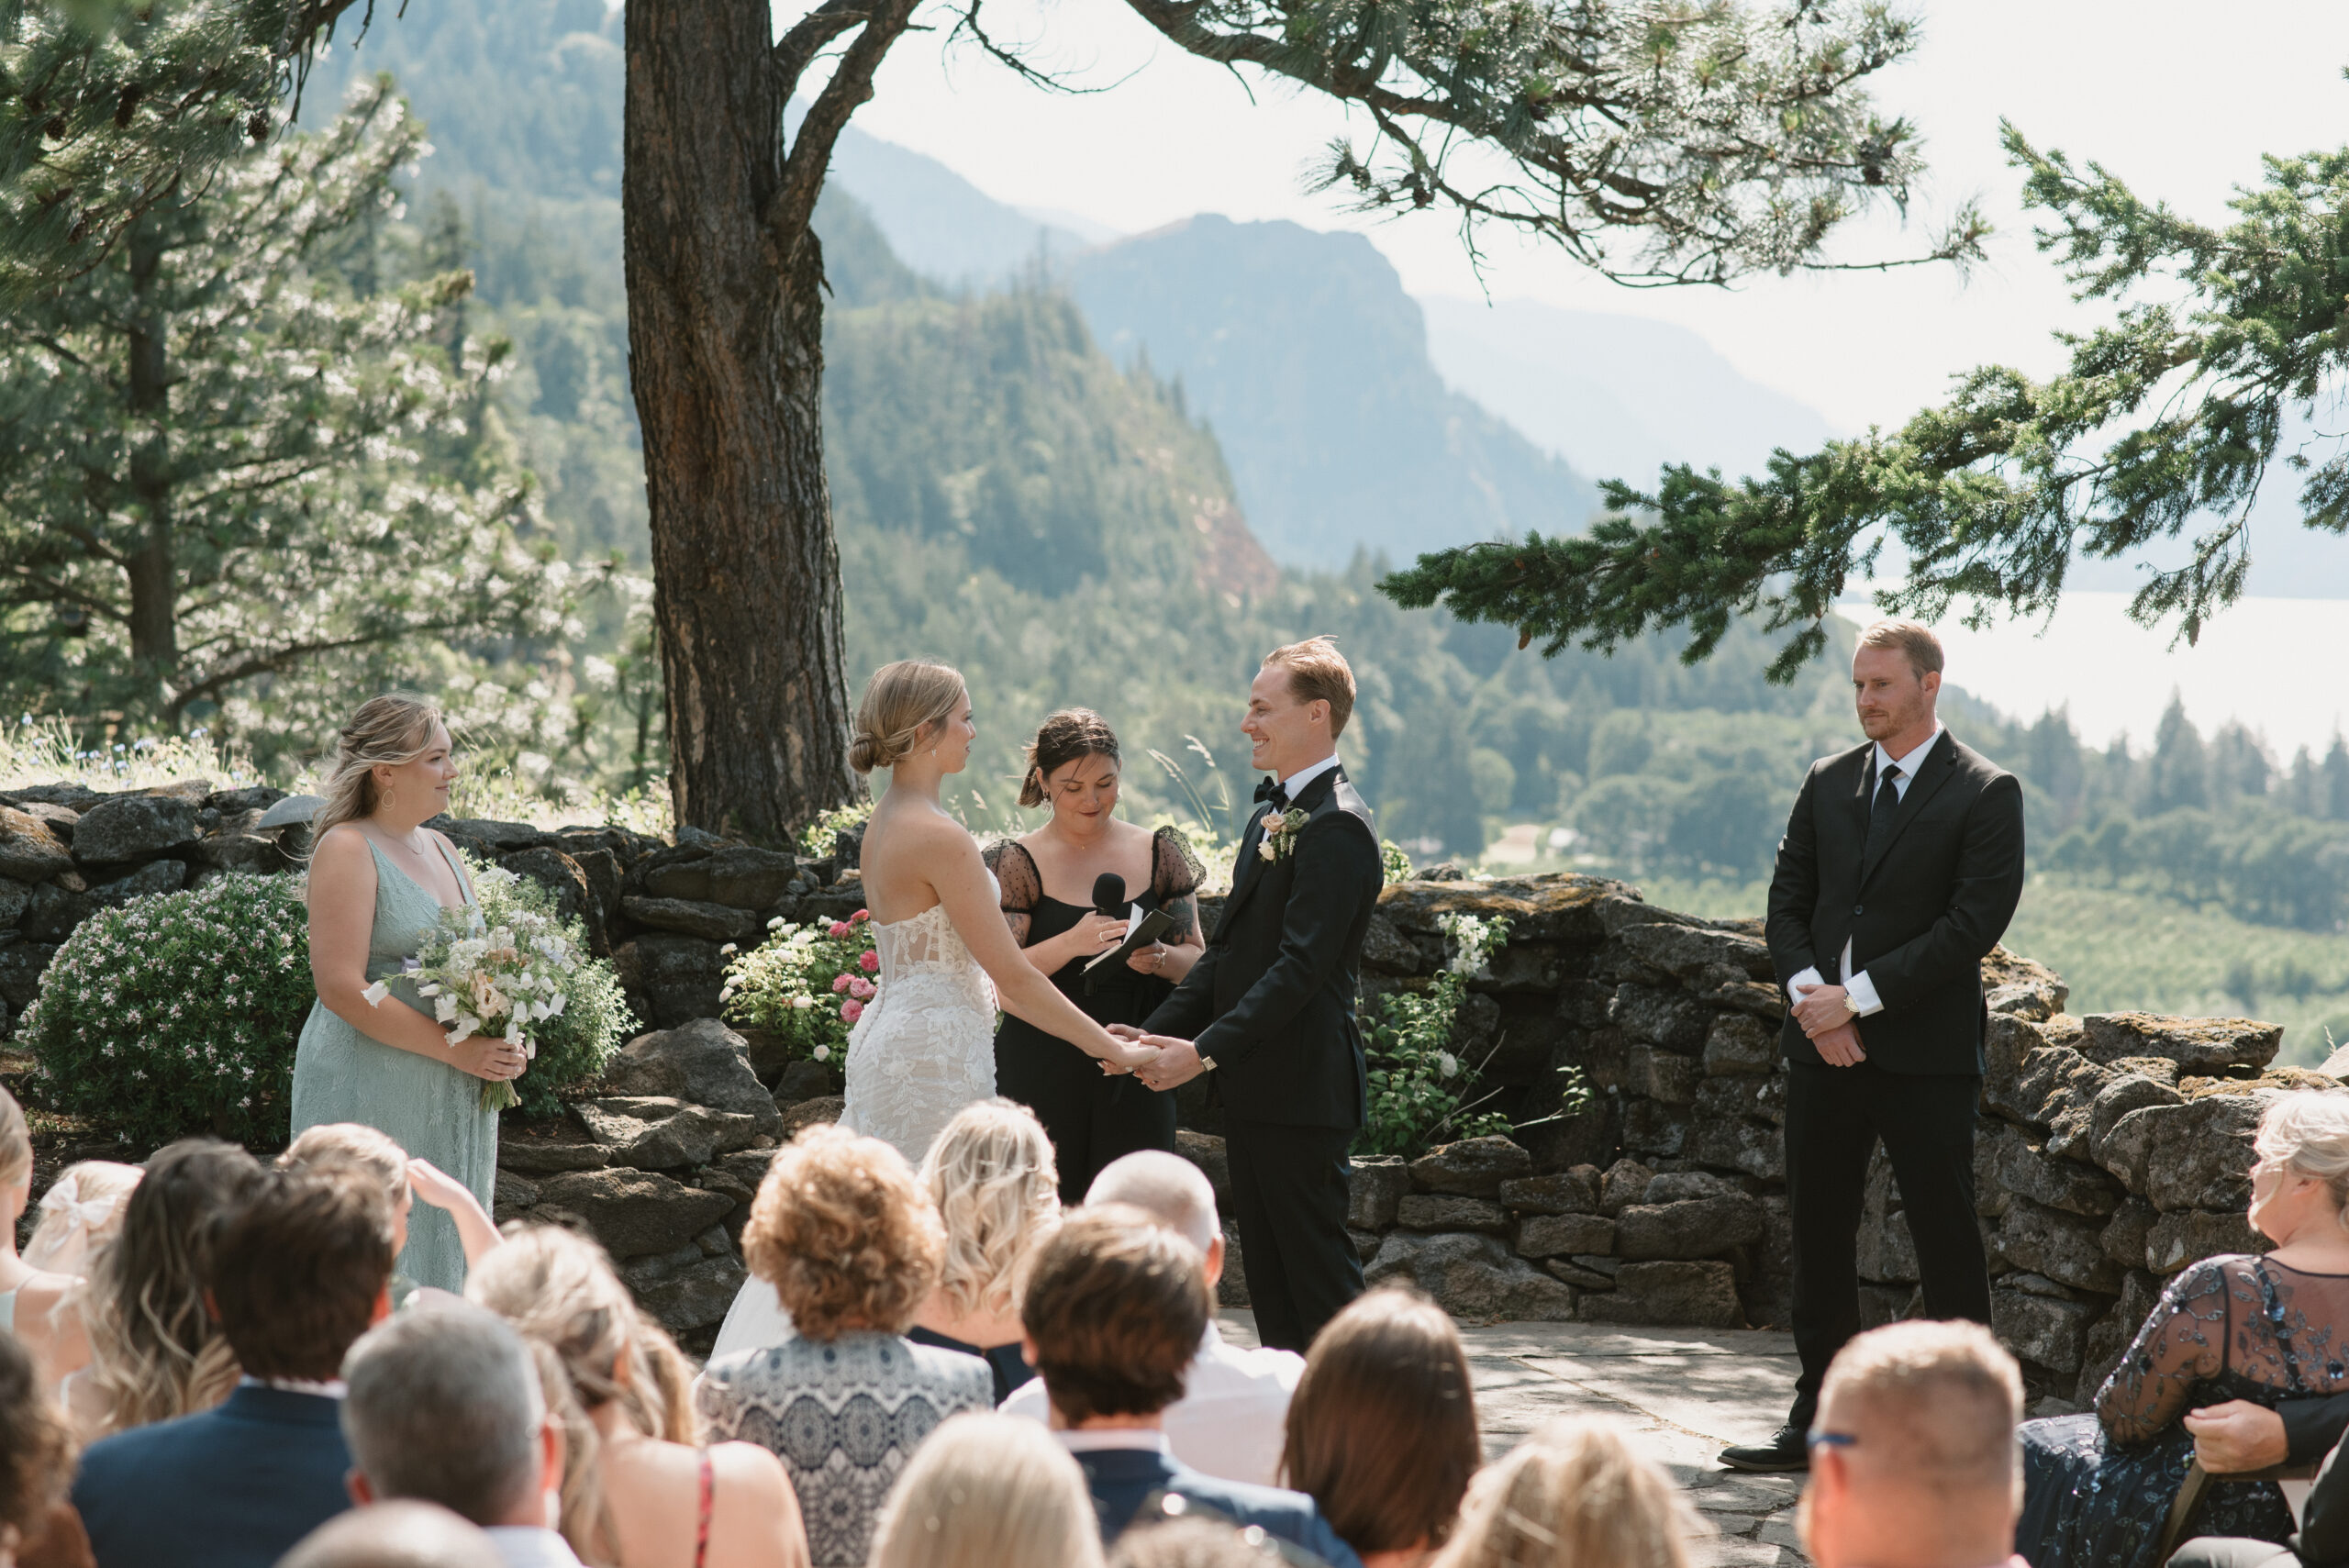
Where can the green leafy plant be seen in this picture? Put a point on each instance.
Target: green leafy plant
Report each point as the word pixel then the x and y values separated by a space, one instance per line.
pixel 815 839
pixel 1422 1091
pixel 178 1013
pixel 807 984
pixel 575 1044
pixel 1397 865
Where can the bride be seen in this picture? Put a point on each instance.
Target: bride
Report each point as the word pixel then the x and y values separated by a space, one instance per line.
pixel 925 1047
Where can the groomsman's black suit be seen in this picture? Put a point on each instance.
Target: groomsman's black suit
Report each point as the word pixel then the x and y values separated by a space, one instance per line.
pixel 1921 900
pixel 1272 1004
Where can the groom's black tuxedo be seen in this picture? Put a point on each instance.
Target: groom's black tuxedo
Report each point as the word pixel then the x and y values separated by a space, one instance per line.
pixel 1272 1002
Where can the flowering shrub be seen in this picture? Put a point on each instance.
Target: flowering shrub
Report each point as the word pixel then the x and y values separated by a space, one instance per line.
pixel 807 984
pixel 1422 1093
pixel 575 1043
pixel 178 1013
pixel 815 839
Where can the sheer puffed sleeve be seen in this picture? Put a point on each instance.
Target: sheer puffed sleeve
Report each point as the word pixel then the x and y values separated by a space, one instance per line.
pixel 1015 872
pixel 1175 877
pixel 2184 1341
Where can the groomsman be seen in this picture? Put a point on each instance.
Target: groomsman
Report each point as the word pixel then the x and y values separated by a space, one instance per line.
pixel 1270 1004
pixel 1902 864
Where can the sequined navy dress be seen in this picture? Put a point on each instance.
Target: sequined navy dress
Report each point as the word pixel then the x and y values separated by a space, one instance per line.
pixel 2096 1489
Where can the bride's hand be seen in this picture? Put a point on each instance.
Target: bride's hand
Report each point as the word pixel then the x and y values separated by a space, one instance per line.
pixel 1129 1055
pixel 488 1057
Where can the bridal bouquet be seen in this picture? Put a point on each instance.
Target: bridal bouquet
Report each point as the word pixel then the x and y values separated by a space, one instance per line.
pixel 506 979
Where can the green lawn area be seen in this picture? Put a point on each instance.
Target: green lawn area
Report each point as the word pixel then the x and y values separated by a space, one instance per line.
pixel 2120 951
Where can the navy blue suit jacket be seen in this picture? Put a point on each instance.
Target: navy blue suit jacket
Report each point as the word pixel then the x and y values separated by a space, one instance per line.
pixel 1122 1479
pixel 232 1488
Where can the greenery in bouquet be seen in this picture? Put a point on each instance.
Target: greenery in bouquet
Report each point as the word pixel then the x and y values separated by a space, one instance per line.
pixel 578 1014
pixel 807 984
pixel 1422 1093
pixel 178 1013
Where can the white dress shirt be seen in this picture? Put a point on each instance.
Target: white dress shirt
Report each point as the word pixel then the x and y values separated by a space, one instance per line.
pixel 1295 784
pixel 1101 1439
pixel 1230 1421
pixel 1861 988
pixel 528 1546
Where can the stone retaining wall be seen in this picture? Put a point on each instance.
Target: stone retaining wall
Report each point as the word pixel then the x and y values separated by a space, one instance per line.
pixel 2112 1149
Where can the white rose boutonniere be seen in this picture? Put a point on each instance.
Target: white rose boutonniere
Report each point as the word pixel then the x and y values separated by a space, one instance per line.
pixel 1279 841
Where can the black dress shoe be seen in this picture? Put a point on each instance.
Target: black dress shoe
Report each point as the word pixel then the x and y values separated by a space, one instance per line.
pixel 1784 1451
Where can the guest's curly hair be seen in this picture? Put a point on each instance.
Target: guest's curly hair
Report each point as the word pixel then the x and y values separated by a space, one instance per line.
pixel 845 1234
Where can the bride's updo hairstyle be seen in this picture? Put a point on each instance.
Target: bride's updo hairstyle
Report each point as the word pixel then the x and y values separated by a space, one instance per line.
pixel 1068 736
pixel 2307 1130
pixel 393 729
pixel 901 700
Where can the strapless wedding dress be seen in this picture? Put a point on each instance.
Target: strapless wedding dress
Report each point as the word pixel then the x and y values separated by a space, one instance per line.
pixel 922 1051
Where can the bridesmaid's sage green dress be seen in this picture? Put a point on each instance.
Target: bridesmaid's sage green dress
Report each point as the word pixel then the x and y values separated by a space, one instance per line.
pixel 429 1108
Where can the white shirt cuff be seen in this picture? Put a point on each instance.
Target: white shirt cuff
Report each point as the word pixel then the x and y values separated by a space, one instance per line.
pixel 1809 979
pixel 1863 991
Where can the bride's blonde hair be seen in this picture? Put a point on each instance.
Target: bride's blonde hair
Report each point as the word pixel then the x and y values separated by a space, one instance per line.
pixel 394 728
pixel 901 701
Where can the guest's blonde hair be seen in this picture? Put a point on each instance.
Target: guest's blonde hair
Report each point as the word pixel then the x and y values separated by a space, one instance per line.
pixel 1936 1405
pixel 81 1211
pixel 845 1234
pixel 2307 1129
pixel 395 729
pixel 988 1491
pixel 990 1173
pixel 901 700
pixel 355 1143
pixel 1574 1495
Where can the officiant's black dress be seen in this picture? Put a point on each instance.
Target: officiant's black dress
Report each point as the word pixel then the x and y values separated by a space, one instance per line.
pixel 1091 1117
pixel 2097 1488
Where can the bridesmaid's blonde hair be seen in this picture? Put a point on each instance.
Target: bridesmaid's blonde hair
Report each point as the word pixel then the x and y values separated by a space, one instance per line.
pixel 901 701
pixel 395 728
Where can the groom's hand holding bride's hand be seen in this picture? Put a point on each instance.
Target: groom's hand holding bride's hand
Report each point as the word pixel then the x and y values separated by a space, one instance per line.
pixel 1178 1061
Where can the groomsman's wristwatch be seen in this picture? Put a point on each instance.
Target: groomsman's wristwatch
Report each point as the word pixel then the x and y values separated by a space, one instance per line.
pixel 1851 1005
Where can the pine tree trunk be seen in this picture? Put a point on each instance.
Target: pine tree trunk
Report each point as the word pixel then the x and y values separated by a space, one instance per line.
pixel 726 354
pixel 151 568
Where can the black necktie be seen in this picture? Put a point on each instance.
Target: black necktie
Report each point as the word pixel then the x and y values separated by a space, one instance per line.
pixel 1887 801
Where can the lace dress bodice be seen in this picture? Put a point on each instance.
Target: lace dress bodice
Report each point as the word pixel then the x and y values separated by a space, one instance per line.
pixel 924 1048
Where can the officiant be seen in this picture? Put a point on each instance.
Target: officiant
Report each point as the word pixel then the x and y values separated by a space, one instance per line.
pixel 1069 891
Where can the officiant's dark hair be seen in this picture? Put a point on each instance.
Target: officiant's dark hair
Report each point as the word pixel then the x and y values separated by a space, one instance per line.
pixel 1068 736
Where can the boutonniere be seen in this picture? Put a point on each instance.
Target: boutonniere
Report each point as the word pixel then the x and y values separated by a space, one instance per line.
pixel 1279 841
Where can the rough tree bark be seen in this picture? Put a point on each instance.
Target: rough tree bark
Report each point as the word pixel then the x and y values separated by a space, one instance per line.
pixel 725 284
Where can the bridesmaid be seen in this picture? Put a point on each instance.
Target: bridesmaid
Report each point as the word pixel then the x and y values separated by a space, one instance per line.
pixel 379 880
pixel 1047 878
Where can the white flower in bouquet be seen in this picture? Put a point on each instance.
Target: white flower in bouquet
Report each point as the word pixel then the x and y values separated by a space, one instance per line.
pixel 505 982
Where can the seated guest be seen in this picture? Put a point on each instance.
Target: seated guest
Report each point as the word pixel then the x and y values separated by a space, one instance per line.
pixel 2321 1541
pixel 1382 1433
pixel 28 1297
pixel 988 1491
pixel 2237 1328
pixel 989 1172
pixel 35 1465
pixel 1113 1313
pixel 1913 1461
pixel 393 1535
pixel 1574 1495
pixel 81 1210
pixel 853 1247
pixel 406 1178
pixel 155 1352
pixel 445 1407
pixel 630 1498
pixel 1182 1542
pixel 299 1270
pixel 1228 1422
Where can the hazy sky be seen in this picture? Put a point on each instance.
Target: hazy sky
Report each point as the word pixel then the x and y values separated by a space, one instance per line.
pixel 2175 97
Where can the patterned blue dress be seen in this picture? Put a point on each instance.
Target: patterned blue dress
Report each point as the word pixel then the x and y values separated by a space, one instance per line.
pixel 430 1108
pixel 2096 1489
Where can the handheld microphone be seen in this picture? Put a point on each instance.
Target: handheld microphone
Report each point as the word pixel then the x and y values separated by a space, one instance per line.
pixel 1109 895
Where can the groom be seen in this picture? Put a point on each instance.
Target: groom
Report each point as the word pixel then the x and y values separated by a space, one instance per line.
pixel 1269 1007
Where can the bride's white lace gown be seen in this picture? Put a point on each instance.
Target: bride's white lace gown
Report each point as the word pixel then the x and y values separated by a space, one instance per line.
pixel 922 1051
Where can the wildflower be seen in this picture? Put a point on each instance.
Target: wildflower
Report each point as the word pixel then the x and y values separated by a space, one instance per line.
pixel 870 962
pixel 728 949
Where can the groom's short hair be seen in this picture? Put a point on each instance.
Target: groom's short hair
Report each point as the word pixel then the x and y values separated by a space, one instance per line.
pixel 1318 672
pixel 1117 1305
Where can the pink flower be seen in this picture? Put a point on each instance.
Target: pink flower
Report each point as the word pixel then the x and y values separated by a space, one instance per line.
pixel 860 916
pixel 839 982
pixel 851 1011
pixel 839 927
pixel 860 989
pixel 870 963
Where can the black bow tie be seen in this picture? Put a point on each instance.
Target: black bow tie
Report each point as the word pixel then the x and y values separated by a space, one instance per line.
pixel 1272 790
